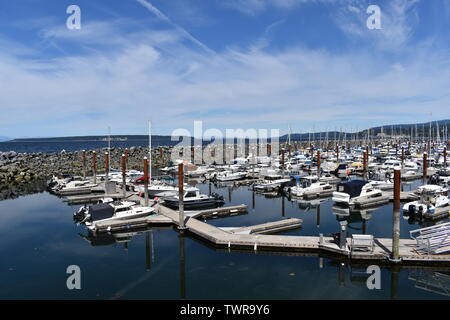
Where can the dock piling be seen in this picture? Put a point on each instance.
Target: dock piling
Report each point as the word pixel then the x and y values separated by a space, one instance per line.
pixel 94 165
pixel 124 169
pixel 396 217
pixel 84 163
pixel 106 168
pixel 425 165
pixel 146 181
pixel 181 225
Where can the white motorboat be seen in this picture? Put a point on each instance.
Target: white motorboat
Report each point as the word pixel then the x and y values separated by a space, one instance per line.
pixel 431 197
pixel 230 176
pixel 192 200
pixel 309 186
pixel 75 187
pixel 120 210
pixel 357 192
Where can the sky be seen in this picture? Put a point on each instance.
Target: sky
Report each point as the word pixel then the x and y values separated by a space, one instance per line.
pixel 308 64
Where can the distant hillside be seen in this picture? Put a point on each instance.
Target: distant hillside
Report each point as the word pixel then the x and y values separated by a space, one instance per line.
pixel 4 138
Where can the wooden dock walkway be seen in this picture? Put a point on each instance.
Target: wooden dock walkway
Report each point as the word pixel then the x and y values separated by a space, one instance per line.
pixel 220 237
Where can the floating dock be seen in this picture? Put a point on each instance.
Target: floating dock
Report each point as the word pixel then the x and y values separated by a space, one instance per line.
pixel 223 237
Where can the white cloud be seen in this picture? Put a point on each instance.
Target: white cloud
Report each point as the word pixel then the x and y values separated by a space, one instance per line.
pixel 172 83
pixel 398 19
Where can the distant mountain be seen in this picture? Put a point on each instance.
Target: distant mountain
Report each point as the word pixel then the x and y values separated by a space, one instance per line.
pixel 4 138
pixel 156 139
pixel 417 129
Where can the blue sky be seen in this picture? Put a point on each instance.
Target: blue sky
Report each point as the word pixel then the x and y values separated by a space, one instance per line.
pixel 231 63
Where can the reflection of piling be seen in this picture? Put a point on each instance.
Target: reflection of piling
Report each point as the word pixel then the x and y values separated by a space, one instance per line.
pixel 94 165
pixel 124 169
pixel 282 205
pixel 394 282
pixel 318 216
pixel 396 216
pixel 148 257
pixel 146 177
pixel 181 196
pixel 182 267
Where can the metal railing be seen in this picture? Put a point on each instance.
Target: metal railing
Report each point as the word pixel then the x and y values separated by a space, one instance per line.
pixel 432 240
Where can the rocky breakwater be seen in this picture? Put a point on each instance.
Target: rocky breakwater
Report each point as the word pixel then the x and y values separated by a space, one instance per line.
pixel 20 168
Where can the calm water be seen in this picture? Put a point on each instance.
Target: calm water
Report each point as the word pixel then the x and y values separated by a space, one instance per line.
pixel 39 241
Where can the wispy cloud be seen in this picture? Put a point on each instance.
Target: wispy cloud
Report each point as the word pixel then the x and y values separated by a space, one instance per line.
pixel 166 19
pixel 398 19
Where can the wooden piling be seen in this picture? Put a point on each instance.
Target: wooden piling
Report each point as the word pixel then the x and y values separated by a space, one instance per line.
pixel 181 225
pixel 106 167
pixel 445 157
pixel 94 165
pixel 84 163
pixel 403 154
pixel 365 161
pixel 425 165
pixel 318 163
pixel 146 178
pixel 396 217
pixel 337 153
pixel 124 169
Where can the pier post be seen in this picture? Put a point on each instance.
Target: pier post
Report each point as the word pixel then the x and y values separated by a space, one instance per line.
pixel 126 156
pixel 318 163
pixel 146 181
pixel 84 163
pixel 425 165
pixel 445 157
pixel 282 161
pixel 106 169
pixel 94 165
pixel 124 169
pixel 403 154
pixel 337 153
pixel 365 162
pixel 396 217
pixel 181 225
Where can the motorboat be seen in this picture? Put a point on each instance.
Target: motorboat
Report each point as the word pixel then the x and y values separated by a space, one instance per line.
pixel 119 210
pixel 159 190
pixel 431 197
pixel 74 187
pixel 357 193
pixel 311 186
pixel 192 200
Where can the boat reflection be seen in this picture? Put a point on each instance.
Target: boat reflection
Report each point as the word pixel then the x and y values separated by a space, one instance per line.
pixel 353 217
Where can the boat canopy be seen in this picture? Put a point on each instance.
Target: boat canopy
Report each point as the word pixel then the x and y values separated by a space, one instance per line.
pixel 101 211
pixel 354 187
